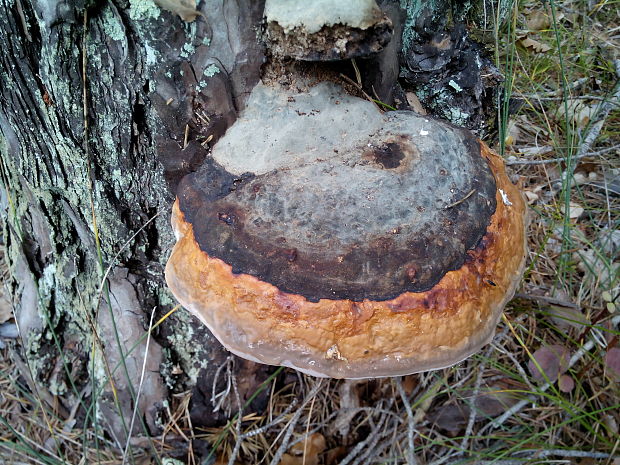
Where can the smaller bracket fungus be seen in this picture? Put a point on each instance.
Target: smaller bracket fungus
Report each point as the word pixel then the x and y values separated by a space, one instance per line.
pixel 326 30
pixel 329 237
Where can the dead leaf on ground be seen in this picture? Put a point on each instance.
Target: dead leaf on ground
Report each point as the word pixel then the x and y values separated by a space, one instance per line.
pixel 596 267
pixel 609 241
pixel 552 360
pixel 565 317
pixel 566 383
pixel 563 312
pixel 451 418
pixel 409 383
pixel 186 9
pixel 611 424
pixel 513 133
pixel 313 446
pixel 577 112
pixel 537 151
pixel 612 363
pixel 494 401
pixel 6 310
pixel 575 210
pixel 538 20
pixel 490 402
pixel 415 104
pixel 534 45
pixel 333 456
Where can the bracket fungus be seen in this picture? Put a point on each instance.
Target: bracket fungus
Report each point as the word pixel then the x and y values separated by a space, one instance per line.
pixel 324 235
pixel 326 30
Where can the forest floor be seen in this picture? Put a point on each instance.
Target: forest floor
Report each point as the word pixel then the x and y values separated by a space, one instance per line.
pixel 546 390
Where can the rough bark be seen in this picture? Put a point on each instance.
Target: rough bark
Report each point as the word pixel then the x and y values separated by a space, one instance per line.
pixel 104 107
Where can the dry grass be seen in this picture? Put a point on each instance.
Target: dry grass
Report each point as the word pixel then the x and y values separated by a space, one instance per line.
pixel 488 409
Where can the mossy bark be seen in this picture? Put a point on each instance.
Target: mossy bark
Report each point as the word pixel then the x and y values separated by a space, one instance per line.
pixel 104 107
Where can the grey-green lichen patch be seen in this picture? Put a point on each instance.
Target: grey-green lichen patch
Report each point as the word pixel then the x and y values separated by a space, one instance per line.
pixel 190 358
pixel 170 461
pixel 312 16
pixel 143 10
pixel 151 54
pixel 187 50
pixel 112 24
pixel 412 9
pixel 47 283
pixel 455 85
pixel 211 70
pixel 165 297
pixel 458 116
pixel 57 386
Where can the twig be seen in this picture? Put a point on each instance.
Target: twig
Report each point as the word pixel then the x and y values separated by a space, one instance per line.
pixel 358 87
pixel 235 452
pixel 274 422
pixel 291 426
pixel 546 299
pixel 548 160
pixel 565 453
pixel 368 443
pixel 469 194
pixel 473 411
pixel 303 457
pixel 137 402
pixel 601 115
pixel 371 452
pixel 218 399
pixel 596 153
pixel 499 421
pixel 371 410
pixel 411 460
pixel 381 446
pixel 577 97
pixel 517 365
pixel 534 454
pixel 556 93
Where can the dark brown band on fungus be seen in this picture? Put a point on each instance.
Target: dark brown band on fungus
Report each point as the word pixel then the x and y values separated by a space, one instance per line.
pixel 352 226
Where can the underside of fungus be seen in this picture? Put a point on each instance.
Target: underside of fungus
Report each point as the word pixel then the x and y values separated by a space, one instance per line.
pixel 324 235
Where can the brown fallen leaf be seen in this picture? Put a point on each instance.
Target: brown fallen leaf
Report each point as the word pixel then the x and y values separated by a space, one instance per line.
pixel 451 418
pixel 409 383
pixel 534 45
pixel 305 452
pixel 538 20
pixel 415 104
pixel 577 112
pixel 566 383
pixel 494 401
pixel 6 311
pixel 551 360
pixel 333 456
pixel 490 402
pixel 612 363
pixel 565 317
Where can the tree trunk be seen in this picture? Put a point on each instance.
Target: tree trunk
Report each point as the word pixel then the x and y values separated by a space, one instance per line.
pixel 105 106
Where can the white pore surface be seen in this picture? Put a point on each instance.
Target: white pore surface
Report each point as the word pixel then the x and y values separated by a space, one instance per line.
pixel 312 15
